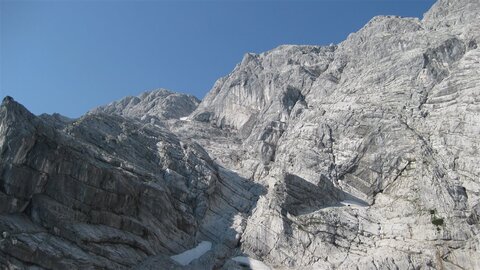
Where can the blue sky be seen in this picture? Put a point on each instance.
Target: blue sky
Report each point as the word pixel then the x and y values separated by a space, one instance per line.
pixel 70 56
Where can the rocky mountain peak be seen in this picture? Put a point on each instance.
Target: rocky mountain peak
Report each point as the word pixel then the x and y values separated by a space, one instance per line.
pixel 160 103
pixel 361 155
pixel 14 113
pixel 7 99
pixel 254 84
pixel 9 104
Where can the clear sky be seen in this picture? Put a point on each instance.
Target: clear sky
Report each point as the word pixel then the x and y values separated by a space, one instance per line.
pixel 69 56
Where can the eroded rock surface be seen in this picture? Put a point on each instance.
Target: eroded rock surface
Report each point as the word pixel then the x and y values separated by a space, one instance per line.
pixel 160 103
pixel 361 155
pixel 104 192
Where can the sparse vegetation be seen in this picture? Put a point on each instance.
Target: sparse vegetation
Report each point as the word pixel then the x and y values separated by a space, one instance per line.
pixel 437 221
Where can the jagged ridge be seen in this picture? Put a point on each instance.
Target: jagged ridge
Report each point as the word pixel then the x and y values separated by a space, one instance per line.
pixel 359 155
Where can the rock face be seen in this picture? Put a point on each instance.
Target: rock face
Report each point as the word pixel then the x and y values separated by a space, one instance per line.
pixel 105 192
pixel 361 155
pixel 160 103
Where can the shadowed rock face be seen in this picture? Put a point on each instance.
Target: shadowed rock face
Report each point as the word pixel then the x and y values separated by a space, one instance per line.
pixel 103 192
pixel 359 155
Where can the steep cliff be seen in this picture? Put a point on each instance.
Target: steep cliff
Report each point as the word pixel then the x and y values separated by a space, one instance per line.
pixel 387 119
pixel 359 155
pixel 105 192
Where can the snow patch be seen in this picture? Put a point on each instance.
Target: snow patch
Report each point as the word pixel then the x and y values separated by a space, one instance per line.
pixel 188 256
pixel 252 263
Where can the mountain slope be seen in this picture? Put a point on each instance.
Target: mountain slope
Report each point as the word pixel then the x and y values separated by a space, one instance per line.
pixel 159 103
pixel 388 117
pixel 359 155
pixel 105 192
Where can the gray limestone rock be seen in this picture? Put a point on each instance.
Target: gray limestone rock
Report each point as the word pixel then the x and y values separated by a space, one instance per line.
pixel 160 103
pixel 361 155
pixel 105 192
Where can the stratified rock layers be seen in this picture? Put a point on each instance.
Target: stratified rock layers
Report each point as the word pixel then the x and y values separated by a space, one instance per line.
pixel 360 155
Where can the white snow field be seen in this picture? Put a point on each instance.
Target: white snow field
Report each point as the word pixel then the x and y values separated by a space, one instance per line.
pixel 188 256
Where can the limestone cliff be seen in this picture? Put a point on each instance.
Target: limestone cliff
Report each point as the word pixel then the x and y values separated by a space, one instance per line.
pixel 360 155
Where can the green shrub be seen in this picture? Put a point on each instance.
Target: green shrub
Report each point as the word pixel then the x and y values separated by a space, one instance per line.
pixel 437 221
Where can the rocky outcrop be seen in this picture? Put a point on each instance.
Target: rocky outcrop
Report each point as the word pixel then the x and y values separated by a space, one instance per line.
pixel 269 81
pixel 385 123
pixel 160 103
pixel 452 14
pixel 105 192
pixel 359 155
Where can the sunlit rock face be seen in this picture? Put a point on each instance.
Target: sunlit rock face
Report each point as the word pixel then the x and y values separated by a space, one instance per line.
pixel 160 103
pixel 361 155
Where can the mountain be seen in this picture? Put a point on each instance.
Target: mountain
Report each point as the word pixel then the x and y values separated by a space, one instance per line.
pixel 361 155
pixel 160 103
